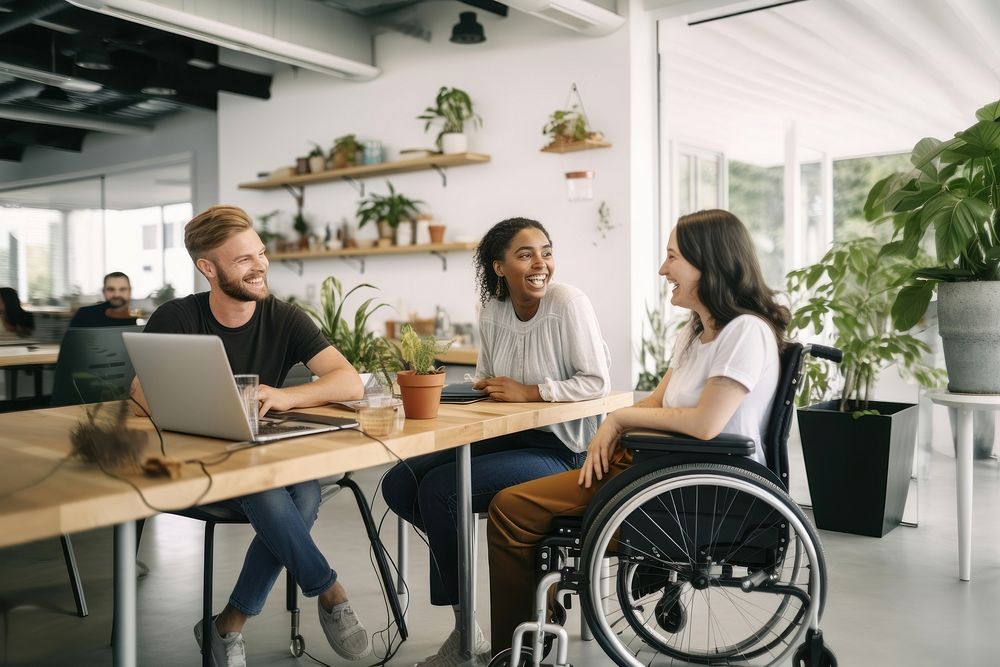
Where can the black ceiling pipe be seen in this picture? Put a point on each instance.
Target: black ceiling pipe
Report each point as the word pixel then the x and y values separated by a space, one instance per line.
pixel 24 13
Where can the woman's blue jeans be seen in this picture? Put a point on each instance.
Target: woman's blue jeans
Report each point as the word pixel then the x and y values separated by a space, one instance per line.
pixel 282 518
pixel 423 490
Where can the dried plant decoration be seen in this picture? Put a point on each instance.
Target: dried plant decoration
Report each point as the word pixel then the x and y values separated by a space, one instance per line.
pixel 104 439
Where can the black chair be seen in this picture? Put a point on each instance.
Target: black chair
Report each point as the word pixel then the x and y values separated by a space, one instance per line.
pixel 216 514
pixel 714 563
pixel 93 366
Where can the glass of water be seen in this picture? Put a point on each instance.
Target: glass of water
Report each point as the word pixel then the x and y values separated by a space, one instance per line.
pixel 246 384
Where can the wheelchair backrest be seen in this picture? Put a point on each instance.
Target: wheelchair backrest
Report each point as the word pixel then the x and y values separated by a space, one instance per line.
pixel 776 440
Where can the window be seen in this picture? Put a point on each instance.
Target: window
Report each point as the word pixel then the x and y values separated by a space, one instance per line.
pixel 852 179
pixel 756 198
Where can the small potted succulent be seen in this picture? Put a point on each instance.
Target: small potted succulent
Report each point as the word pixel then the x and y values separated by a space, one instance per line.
pixel 387 211
pixel 452 109
pixel 344 152
pixel 301 226
pixel 567 126
pixel 421 383
pixel 317 161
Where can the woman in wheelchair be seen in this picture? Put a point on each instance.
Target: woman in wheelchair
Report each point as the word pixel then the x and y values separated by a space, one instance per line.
pixel 540 341
pixel 697 556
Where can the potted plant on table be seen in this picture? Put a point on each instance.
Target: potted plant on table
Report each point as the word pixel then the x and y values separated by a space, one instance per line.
pixel 452 109
pixel 388 211
pixel 345 151
pixel 858 451
pixel 421 383
pixel 954 190
pixel 367 352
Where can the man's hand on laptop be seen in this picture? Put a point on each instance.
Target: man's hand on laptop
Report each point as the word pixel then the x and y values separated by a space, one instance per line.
pixel 272 398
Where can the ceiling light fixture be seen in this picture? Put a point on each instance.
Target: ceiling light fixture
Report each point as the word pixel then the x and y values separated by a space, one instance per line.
pixel 94 59
pixel 231 37
pixel 468 30
pixel 65 119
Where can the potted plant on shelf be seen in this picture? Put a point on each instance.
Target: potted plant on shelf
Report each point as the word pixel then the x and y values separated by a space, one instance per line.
pixel 301 227
pixel 267 237
pixel 317 161
pixel 345 151
pixel 858 452
pixel 453 109
pixel 954 190
pixel 568 126
pixel 367 352
pixel 387 211
pixel 421 383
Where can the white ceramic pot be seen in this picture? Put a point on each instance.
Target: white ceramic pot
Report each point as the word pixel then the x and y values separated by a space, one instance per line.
pixel 454 142
pixel 404 233
pixel 317 163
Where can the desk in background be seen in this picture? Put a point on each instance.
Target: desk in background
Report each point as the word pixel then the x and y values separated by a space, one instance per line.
pixel 79 497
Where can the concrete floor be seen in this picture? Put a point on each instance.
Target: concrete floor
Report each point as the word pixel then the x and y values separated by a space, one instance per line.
pixel 893 601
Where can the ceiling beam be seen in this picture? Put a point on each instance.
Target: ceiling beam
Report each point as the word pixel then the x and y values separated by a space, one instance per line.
pixel 75 119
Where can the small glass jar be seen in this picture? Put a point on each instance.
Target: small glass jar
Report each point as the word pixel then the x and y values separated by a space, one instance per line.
pixel 372 152
pixel 580 185
pixel 377 415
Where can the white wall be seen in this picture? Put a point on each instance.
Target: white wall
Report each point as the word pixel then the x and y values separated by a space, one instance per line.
pixel 192 133
pixel 521 74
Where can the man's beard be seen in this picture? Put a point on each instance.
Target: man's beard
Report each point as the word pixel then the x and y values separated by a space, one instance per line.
pixel 117 302
pixel 234 287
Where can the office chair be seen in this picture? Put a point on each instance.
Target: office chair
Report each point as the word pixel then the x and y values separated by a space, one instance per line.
pixel 93 366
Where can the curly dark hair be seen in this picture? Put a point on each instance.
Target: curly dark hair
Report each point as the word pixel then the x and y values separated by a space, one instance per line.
pixel 491 249
pixel 718 244
pixel 16 318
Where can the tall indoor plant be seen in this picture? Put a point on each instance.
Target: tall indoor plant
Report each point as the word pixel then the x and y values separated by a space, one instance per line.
pixel 452 109
pixel 954 190
pixel 858 451
pixel 421 383
pixel 366 351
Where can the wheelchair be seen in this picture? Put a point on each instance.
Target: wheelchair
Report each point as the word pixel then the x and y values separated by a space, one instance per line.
pixel 698 558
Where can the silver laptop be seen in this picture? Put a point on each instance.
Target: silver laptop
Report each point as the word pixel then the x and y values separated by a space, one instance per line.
pixel 189 387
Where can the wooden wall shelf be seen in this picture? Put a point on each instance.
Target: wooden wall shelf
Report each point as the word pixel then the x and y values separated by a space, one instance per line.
pixel 573 146
pixel 437 249
pixel 435 162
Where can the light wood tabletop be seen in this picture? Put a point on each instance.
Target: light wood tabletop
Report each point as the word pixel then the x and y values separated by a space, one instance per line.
pixel 79 496
pixel 23 355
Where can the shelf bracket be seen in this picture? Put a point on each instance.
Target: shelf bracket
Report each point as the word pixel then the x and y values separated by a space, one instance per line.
pixel 357 185
pixel 360 262
pixel 295 265
pixel 441 172
pixel 299 194
pixel 443 257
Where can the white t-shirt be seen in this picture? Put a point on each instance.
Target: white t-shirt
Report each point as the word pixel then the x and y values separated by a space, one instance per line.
pixel 745 351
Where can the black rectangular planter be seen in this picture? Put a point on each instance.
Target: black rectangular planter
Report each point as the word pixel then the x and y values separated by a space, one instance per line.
pixel 858 469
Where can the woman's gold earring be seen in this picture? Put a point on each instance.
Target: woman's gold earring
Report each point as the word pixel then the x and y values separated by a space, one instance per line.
pixel 499 289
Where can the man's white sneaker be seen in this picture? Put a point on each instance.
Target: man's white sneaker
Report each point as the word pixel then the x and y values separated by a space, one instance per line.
pixel 228 650
pixel 344 631
pixel 447 655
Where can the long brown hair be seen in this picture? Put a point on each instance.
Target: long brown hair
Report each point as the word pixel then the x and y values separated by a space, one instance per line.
pixel 716 243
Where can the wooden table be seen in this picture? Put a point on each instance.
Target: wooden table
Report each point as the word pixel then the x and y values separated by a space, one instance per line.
pixel 23 355
pixel 79 497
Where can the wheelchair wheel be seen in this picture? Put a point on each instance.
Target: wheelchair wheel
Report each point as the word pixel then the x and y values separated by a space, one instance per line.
pixel 503 659
pixel 713 565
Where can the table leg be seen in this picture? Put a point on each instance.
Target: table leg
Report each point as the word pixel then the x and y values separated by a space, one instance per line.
pixel 963 466
pixel 466 594
pixel 125 617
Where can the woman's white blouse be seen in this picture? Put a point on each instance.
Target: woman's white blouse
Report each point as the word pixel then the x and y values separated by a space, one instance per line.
pixel 560 349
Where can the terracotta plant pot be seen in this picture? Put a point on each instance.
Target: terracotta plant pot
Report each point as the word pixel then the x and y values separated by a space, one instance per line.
pixel 437 233
pixel 421 393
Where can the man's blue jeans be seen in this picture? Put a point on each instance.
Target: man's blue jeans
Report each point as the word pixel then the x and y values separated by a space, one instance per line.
pixel 423 490
pixel 282 518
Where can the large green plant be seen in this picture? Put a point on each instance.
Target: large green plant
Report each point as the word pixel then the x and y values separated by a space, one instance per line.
pixel 366 351
pixel 655 348
pixel 954 190
pixel 419 352
pixel 453 109
pixel 392 208
pixel 854 287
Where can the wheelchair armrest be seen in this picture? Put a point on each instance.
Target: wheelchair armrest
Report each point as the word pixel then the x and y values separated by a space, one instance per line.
pixel 662 441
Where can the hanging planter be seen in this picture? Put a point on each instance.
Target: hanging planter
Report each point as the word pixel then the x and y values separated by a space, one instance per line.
pixel 569 129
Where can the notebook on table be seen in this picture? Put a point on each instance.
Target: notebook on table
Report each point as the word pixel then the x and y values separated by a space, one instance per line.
pixel 189 388
pixel 462 393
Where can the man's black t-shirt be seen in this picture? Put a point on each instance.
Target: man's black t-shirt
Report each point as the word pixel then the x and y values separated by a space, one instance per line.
pixel 96 316
pixel 277 337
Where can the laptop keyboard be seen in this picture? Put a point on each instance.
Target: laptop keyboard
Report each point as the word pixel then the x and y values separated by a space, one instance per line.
pixel 269 428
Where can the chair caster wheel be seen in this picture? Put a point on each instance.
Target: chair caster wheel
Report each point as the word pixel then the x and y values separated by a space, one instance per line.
pixel 502 659
pixel 298 646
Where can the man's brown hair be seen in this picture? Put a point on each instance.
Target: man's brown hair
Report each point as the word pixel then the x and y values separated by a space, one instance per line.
pixel 210 228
